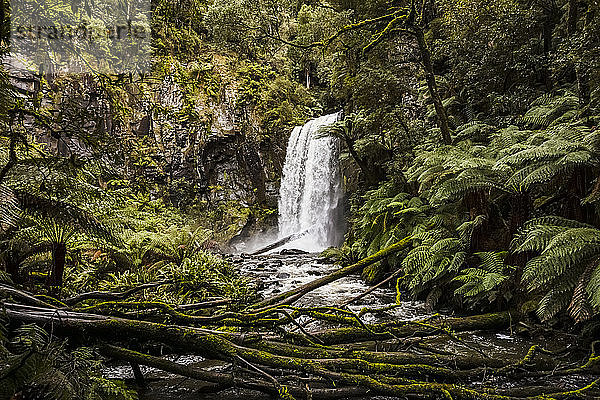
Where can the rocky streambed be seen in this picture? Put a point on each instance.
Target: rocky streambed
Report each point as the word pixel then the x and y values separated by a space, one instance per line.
pixel 277 273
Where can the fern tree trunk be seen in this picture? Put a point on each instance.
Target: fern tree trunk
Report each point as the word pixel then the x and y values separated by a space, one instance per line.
pixel 583 87
pixel 12 268
pixel 477 204
pixel 442 115
pixel 521 207
pixel 12 155
pixel 577 189
pixel 59 255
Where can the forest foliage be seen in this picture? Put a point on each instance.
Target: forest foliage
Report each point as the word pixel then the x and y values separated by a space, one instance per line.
pixel 470 127
pixel 517 84
pixel 470 133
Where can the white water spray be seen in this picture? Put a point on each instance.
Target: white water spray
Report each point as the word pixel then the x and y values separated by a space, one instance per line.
pixel 310 197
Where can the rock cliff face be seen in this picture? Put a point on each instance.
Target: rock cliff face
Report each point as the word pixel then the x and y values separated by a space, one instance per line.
pixel 226 163
pixel 225 157
pixel 191 133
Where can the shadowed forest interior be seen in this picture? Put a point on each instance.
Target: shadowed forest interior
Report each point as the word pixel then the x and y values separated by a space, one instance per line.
pixel 299 199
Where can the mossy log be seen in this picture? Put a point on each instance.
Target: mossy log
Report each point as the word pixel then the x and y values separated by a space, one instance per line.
pixel 7 291
pixel 402 329
pixel 375 373
pixel 71 301
pixel 228 380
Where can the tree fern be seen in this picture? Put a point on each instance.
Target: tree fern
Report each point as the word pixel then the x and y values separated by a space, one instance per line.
pixel 36 365
pixel 435 257
pixel 566 265
pixel 549 109
pixel 484 282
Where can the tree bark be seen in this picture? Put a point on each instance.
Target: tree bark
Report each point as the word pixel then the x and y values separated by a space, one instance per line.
pixel 59 255
pixel 372 178
pixel 583 87
pixel 547 31
pixel 12 155
pixel 572 17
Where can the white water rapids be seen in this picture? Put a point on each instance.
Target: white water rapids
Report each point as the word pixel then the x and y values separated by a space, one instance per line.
pixel 310 196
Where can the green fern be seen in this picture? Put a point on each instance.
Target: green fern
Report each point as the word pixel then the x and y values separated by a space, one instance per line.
pixel 566 267
pixel 36 365
pixel 434 259
pixel 484 282
pixel 549 109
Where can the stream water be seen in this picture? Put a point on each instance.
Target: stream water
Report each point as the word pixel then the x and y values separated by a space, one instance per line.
pixel 272 274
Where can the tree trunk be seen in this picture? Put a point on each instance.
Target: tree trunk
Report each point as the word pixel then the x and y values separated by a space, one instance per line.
pixel 583 87
pixel 520 212
pixel 12 269
pixel 548 28
pixel 477 204
pixel 59 255
pixel 372 178
pixel 12 154
pixel 521 207
pixel 440 110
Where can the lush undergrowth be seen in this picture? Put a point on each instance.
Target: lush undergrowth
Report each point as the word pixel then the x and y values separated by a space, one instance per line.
pixel 503 215
pixel 38 366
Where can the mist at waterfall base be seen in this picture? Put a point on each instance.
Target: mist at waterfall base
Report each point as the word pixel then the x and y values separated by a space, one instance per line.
pixel 311 192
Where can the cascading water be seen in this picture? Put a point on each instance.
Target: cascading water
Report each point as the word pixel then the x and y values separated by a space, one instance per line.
pixel 310 197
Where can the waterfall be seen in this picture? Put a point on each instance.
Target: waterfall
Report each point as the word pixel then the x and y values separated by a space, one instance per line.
pixel 310 197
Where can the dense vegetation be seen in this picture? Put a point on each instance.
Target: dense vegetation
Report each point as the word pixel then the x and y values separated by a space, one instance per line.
pixel 505 211
pixel 470 137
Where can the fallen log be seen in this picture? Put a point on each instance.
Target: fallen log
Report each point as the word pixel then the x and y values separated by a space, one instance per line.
pixel 376 376
pixel 279 243
pixel 226 380
pixel 71 301
pixel 403 329
pixel 204 304
pixel 199 339
pixel 27 298
pixel 371 289
pixel 174 334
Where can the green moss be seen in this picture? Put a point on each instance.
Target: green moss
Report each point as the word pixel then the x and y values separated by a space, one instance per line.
pixel 373 273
